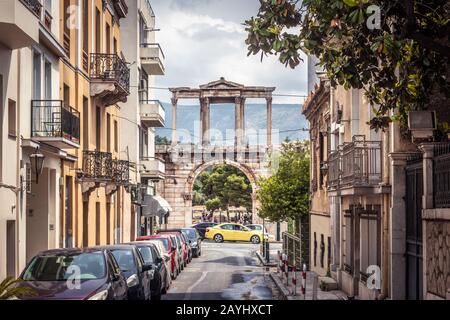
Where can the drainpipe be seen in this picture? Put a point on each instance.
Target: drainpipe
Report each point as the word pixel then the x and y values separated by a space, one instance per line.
pixel 18 176
pixel 386 211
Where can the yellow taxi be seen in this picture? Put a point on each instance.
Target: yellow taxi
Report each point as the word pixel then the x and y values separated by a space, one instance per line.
pixel 233 232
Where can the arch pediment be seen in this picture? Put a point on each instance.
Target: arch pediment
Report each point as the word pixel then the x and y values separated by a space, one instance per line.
pixel 222 84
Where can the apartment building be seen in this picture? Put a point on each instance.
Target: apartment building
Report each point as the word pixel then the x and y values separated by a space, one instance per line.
pixel 317 111
pixel 141 114
pixel 63 176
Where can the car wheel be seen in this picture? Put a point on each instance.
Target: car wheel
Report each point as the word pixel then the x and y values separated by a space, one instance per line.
pixel 218 238
pixel 157 297
pixel 255 240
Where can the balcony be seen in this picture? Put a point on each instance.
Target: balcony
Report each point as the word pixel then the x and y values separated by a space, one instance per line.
pixel 146 11
pixel 152 114
pixel 121 172
pixel 55 124
pixel 19 22
pixel 355 165
pixel 97 166
pixel 152 59
pixel 110 78
pixel 153 169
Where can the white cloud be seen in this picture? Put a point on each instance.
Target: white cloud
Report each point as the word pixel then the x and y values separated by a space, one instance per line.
pixel 206 40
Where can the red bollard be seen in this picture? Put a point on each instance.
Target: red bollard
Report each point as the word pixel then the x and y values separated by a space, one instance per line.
pixel 294 280
pixel 304 281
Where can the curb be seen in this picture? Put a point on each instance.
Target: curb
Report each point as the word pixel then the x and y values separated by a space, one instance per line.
pixel 283 290
pixel 266 264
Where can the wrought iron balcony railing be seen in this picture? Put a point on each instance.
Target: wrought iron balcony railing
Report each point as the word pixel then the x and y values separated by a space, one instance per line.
pixel 121 172
pixel 441 175
pixel 97 166
pixel 334 168
pixel 110 67
pixel 35 6
pixel 354 164
pixel 53 119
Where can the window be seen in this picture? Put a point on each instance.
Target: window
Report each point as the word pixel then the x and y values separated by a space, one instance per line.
pixel 12 119
pixel 227 227
pixel 108 132
pixel 369 248
pixel 147 254
pixel 48 80
pixel 321 156
pixel 66 95
pixel 116 47
pixel 98 125
pixel 322 251
pixel 86 123
pixel 125 259
pixel 108 38
pixel 97 31
pixel 66 27
pixel 85 26
pixel 37 76
pixel 116 136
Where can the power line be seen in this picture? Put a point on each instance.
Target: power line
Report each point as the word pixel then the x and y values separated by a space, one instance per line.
pixel 275 95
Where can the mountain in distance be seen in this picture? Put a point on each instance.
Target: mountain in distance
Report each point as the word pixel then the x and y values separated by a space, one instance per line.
pixel 287 120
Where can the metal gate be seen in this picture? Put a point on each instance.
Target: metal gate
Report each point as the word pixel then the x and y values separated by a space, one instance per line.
pixel 414 193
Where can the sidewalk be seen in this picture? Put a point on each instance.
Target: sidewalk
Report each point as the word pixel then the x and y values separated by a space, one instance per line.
pixel 287 288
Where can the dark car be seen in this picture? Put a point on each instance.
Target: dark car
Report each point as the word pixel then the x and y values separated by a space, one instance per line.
pixel 195 240
pixel 151 256
pixel 137 273
pixel 182 246
pixel 201 227
pixel 170 245
pixel 74 274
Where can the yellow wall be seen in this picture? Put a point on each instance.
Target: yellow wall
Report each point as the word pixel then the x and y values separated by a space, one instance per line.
pixel 74 75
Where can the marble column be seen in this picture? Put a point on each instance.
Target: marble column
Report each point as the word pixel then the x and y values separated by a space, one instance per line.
pixel 174 121
pixel 205 120
pixel 269 121
pixel 397 245
pixel 240 121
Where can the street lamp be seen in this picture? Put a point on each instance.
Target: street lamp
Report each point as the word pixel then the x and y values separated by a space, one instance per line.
pixel 37 163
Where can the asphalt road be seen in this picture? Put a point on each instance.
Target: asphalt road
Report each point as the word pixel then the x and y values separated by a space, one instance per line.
pixel 229 271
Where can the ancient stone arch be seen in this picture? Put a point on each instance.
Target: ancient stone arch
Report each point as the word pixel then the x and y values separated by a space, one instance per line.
pixel 184 162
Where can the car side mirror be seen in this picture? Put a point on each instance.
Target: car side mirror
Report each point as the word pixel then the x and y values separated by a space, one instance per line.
pixel 159 260
pixel 147 267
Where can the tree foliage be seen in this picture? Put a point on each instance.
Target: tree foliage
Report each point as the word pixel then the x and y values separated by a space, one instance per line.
pixel 400 63
pixel 223 186
pixel 285 195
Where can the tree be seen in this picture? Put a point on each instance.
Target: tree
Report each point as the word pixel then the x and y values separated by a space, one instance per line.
pixel 162 141
pixel 285 195
pixel 224 186
pixel 401 63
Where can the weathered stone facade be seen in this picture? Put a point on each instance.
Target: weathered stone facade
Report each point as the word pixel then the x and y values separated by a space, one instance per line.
pixel 438 254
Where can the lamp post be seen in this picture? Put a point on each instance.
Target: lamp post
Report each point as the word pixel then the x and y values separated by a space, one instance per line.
pixel 37 163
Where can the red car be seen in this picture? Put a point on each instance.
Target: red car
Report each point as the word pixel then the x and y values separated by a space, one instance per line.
pixel 184 245
pixel 171 247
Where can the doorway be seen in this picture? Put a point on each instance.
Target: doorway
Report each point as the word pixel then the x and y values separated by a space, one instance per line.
pixel 11 248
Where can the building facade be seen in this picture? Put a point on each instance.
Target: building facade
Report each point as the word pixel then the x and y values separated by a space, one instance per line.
pixel 141 114
pixel 63 176
pixel 316 110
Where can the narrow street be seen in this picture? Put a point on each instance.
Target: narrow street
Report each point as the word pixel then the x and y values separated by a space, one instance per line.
pixel 225 271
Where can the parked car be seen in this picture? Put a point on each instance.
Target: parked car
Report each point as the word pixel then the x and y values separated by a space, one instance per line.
pixel 182 246
pixel 260 227
pixel 201 228
pixel 171 247
pixel 166 259
pixel 195 240
pixel 137 273
pixel 188 246
pixel 233 232
pixel 151 256
pixel 54 275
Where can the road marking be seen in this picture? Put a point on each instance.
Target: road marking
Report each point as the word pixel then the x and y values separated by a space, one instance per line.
pixel 189 290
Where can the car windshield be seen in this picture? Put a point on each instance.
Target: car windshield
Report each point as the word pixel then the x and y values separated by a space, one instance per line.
pixel 146 253
pixel 125 259
pixel 85 266
pixel 164 241
pixel 190 233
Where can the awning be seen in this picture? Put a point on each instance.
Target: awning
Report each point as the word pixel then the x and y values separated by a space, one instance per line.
pixel 155 206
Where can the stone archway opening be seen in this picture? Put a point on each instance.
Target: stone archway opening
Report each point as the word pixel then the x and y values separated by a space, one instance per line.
pixel 222 192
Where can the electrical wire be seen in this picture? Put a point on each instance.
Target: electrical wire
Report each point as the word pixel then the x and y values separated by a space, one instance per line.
pixel 275 95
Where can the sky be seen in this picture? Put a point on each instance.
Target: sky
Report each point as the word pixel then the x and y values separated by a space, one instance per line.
pixel 204 40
